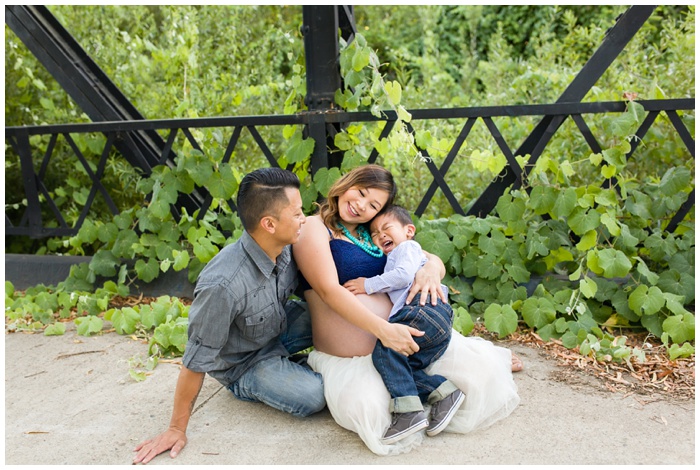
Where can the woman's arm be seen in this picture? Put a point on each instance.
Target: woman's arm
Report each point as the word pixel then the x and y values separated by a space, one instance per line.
pixel 428 281
pixel 313 256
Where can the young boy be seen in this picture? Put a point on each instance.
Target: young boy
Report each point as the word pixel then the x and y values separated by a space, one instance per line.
pixel 409 385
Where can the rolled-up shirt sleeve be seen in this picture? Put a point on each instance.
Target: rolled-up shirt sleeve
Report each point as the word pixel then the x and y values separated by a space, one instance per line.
pixel 211 315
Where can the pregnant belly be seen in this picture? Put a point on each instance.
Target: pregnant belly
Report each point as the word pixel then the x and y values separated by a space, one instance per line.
pixel 334 335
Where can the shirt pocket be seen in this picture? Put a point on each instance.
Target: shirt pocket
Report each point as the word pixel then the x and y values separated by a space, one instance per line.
pixel 259 324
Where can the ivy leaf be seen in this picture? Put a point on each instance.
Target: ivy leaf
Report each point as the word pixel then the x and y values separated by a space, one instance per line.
pixel 681 328
pixel 538 312
pixel 675 303
pixel 653 324
pixel 518 272
pixel 614 263
pixel 198 166
pixel 222 184
pixel 639 204
pixel 583 220
pixel 535 244
pixel 608 171
pixel 565 203
pixel 674 181
pixel 181 259
pixel 510 209
pixel 463 321
pixel 642 269
pixel 501 319
pixel 676 351
pixel 108 232
pixel 588 241
pixel 324 179
pixel 403 115
pixel 542 199
pixel 393 90
pixel 557 256
pixel 488 267
pixel 343 141
pixel 460 292
pixel 299 149
pixel 204 250
pixel 469 262
pixel 104 263
pixel 147 271
pixel 623 125
pixel 595 159
pixel 88 325
pixel 610 223
pixel 615 157
pixel 124 320
pixel 360 58
pixel 588 287
pixel 436 242
pixel 55 329
pixel 88 232
pixel 645 300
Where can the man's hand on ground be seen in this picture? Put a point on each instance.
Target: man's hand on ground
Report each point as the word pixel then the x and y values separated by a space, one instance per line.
pixel 172 439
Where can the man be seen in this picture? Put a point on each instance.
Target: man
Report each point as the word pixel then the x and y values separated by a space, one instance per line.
pixel 242 328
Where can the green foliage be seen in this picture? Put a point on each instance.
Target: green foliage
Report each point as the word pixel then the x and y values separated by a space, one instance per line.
pixel 565 255
pixel 591 265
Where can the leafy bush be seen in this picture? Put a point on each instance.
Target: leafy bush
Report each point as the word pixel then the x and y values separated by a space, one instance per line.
pixel 564 255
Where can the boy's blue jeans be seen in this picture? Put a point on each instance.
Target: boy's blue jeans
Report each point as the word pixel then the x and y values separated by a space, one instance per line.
pixel 281 383
pixel 408 384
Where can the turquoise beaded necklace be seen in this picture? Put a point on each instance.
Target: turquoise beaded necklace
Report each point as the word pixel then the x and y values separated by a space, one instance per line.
pixel 366 243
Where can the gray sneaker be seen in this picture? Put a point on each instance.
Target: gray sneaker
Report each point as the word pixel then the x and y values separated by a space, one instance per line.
pixel 443 411
pixel 403 425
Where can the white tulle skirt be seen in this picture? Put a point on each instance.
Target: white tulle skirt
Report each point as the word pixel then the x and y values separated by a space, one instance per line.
pixel 359 401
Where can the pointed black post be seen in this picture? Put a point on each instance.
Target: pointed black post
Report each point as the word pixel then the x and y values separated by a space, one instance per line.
pixel 321 26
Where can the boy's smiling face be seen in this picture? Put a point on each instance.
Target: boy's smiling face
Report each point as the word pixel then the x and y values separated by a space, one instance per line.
pixel 387 232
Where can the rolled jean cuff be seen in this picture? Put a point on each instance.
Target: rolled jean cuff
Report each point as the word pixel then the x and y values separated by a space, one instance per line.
pixel 441 392
pixel 405 404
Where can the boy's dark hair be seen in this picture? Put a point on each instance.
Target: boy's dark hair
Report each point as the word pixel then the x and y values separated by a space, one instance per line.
pixel 261 193
pixel 399 213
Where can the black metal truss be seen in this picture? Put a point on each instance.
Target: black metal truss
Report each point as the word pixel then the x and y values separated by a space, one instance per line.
pixel 139 142
pixel 31 223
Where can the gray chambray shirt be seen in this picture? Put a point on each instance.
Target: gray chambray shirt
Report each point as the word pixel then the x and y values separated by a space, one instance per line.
pixel 237 313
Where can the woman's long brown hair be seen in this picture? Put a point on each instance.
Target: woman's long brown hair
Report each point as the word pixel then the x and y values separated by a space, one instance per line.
pixel 364 177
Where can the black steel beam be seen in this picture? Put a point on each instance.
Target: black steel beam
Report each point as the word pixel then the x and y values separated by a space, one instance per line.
pixel 321 25
pixel 87 84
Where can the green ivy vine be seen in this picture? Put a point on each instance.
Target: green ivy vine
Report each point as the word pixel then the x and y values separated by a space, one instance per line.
pixel 582 263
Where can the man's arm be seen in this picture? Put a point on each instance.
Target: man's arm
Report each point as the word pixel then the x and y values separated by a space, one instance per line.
pixel 189 384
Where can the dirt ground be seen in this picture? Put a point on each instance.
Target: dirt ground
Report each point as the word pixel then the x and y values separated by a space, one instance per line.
pixel 71 400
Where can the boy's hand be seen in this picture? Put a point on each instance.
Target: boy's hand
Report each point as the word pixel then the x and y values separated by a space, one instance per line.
pixel 356 286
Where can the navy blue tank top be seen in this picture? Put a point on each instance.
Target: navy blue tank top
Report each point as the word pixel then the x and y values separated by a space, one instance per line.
pixel 351 262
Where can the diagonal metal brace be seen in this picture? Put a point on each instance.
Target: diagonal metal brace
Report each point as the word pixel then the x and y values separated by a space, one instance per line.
pixel 627 25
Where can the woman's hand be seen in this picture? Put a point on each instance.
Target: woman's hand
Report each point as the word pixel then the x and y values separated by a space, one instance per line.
pixel 428 281
pixel 400 338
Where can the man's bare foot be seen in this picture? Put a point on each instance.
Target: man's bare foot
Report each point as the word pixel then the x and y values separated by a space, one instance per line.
pixel 516 365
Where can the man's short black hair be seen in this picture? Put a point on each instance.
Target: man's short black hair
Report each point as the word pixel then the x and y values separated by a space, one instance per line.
pixel 261 193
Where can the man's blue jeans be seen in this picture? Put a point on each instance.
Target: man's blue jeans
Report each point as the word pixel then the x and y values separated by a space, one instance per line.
pixel 408 384
pixel 281 383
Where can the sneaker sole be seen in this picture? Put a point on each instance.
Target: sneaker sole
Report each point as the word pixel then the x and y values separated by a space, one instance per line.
pixel 407 432
pixel 443 424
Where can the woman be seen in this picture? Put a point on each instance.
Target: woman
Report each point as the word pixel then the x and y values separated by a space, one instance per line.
pixel 334 246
